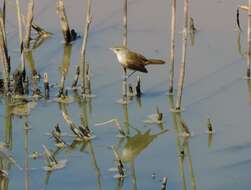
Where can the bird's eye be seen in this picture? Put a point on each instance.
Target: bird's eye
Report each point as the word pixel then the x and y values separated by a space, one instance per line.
pixel 117 49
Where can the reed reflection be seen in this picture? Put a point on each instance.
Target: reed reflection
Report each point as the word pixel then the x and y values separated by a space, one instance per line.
pixel 182 147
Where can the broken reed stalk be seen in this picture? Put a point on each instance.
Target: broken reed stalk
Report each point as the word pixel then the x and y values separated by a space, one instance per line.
pixel 124 83
pixel 88 20
pixel 183 59
pixel 4 58
pixel 29 19
pixel 172 50
pixel 249 40
pixel 64 21
pixel 164 183
pixel 46 86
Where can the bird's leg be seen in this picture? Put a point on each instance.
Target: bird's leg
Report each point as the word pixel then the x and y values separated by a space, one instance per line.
pixel 125 83
pixel 131 74
pixel 125 73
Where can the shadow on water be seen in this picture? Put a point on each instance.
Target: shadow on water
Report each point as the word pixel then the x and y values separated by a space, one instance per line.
pixel 182 148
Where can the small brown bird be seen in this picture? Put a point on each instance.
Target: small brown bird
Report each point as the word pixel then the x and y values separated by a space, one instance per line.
pixel 134 61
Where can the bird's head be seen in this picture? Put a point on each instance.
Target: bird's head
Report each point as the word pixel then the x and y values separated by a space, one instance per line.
pixel 117 50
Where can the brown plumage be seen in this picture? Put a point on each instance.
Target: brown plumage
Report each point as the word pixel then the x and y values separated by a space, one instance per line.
pixel 134 61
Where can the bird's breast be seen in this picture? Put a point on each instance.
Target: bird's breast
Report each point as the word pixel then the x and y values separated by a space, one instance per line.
pixel 121 59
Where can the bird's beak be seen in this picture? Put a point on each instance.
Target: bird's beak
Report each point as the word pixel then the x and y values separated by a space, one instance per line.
pixel 112 49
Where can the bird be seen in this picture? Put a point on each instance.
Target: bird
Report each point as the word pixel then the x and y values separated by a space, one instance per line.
pixel 134 61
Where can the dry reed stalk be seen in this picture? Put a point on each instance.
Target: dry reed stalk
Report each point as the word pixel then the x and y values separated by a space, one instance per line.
pixel 64 21
pixel 249 40
pixel 29 19
pixel 76 77
pixel 88 20
pixel 172 50
pixel 124 83
pixel 183 59
pixel 20 33
pixel 5 59
pixel 88 79
pixel 164 183
pixel 46 86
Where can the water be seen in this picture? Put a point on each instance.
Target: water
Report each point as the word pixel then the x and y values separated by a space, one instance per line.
pixel 214 88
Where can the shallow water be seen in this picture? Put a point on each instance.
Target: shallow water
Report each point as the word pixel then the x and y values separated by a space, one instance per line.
pixel 214 88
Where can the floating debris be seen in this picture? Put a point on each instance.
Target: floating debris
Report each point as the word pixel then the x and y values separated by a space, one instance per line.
pixel 122 133
pixel 210 129
pixel 82 133
pixel 60 143
pixel 53 163
pixel 35 155
pixel 120 167
pixel 156 118
pixel 186 132
pixel 64 99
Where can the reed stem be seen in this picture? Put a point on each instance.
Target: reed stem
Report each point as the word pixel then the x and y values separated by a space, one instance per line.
pixel 172 50
pixel 64 21
pixel 124 83
pixel 249 40
pixel 88 20
pixel 183 59
pixel 29 19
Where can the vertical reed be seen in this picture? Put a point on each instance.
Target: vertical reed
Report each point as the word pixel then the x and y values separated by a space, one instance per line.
pixel 88 19
pixel 172 50
pixel 29 19
pixel 183 59
pixel 20 33
pixel 124 83
pixel 249 40
pixel 63 21
pixel 4 58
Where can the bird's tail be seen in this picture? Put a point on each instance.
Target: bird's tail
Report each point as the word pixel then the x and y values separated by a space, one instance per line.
pixel 155 62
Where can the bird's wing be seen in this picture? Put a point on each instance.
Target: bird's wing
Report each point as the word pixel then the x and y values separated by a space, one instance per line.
pixel 136 61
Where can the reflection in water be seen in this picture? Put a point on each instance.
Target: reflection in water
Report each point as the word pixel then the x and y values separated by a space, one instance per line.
pixel 239 46
pixel 26 154
pixel 137 143
pixel 5 165
pixel 31 63
pixel 82 103
pixel 64 67
pixel 126 121
pixel 8 123
pixel 249 90
pixel 183 149
pixel 210 140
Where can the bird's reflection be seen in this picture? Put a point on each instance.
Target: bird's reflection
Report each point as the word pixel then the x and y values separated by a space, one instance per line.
pixel 136 144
